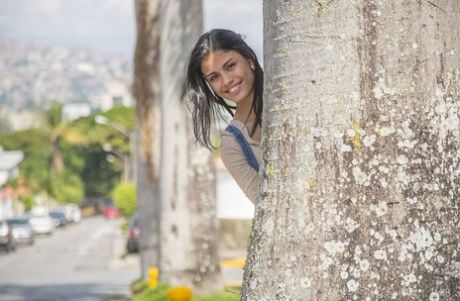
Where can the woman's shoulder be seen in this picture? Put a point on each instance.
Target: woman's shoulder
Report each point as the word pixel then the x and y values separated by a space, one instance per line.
pixel 228 136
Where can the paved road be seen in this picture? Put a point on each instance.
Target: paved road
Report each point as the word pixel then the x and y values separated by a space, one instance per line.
pixel 82 262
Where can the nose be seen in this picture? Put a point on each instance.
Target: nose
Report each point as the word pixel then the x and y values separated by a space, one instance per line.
pixel 227 80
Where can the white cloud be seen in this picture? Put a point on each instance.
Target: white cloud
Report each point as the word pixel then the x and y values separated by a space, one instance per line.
pixel 120 6
pixel 242 16
pixel 48 7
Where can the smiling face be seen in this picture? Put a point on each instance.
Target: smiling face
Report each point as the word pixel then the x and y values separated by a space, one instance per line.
pixel 230 75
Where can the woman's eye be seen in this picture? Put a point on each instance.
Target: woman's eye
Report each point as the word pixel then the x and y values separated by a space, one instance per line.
pixel 230 66
pixel 212 78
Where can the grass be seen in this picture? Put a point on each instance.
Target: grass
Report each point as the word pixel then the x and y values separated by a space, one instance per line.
pixel 159 293
pixel 220 296
pixel 156 294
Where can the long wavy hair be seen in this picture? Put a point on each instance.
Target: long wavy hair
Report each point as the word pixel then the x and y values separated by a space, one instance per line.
pixel 206 106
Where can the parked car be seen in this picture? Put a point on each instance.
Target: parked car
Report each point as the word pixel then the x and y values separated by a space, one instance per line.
pixel 6 237
pixel 41 223
pixel 59 218
pixel 73 213
pixel 132 243
pixel 22 230
pixel 110 211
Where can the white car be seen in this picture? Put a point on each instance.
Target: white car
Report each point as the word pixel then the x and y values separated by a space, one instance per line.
pixel 72 212
pixel 41 223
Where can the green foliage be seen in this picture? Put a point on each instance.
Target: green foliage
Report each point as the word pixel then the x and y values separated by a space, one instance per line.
pixel 125 199
pixel 35 168
pixel 221 296
pixel 141 292
pixel 138 286
pixel 106 134
pixel 123 115
pixel 81 143
pixel 98 175
pixel 156 294
pixel 67 188
pixel 53 116
pixel 74 157
pixel 28 202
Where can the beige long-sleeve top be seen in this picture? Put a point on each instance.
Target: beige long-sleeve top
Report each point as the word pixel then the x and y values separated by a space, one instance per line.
pixel 235 161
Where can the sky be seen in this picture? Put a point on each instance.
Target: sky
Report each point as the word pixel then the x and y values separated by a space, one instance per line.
pixel 109 25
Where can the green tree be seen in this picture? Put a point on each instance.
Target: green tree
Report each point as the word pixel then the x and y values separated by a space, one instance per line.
pixel 102 165
pixel 125 198
pixel 66 187
pixel 35 168
pixel 60 130
pixel 28 202
pixel 99 176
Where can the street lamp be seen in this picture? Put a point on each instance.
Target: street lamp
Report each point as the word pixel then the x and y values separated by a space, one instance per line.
pixel 128 161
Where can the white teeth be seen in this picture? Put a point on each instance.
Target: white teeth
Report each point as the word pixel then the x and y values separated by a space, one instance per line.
pixel 234 88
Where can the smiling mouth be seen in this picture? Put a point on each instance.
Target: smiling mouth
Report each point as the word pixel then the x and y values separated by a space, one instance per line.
pixel 235 88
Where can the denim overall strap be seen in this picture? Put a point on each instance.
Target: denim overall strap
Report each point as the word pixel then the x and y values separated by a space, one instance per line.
pixel 245 147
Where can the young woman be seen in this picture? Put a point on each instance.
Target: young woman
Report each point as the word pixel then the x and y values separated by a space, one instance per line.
pixel 224 73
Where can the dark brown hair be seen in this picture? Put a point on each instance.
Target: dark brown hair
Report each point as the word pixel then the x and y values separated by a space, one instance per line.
pixel 206 105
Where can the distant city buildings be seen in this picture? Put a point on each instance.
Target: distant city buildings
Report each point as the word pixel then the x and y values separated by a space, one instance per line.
pixel 19 120
pixel 32 76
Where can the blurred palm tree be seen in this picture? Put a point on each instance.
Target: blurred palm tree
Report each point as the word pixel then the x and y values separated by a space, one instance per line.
pixel 60 130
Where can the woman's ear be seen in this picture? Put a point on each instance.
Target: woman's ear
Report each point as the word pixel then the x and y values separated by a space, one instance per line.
pixel 251 65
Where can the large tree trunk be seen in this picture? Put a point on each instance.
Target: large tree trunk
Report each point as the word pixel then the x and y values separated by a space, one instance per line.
pixel 146 89
pixel 188 183
pixel 359 188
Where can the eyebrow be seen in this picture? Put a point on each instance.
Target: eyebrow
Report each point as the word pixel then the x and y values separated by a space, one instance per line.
pixel 225 65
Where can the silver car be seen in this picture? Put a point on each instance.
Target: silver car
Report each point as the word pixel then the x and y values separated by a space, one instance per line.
pixel 22 230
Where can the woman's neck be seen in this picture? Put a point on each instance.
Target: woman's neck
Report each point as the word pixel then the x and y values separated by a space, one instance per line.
pixel 244 111
pixel 248 118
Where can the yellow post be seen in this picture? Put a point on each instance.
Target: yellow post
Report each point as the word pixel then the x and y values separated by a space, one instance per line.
pixel 153 277
pixel 180 293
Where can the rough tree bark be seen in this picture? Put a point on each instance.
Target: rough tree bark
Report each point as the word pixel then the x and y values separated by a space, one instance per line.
pixel 146 90
pixel 189 242
pixel 361 143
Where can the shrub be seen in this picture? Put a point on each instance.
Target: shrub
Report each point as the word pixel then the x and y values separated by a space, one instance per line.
pixel 28 202
pixel 124 197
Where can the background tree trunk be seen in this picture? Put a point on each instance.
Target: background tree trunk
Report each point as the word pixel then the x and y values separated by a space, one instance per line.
pixel 58 160
pixel 359 188
pixel 146 90
pixel 189 242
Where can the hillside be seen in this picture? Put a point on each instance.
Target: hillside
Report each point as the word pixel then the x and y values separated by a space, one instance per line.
pixel 32 75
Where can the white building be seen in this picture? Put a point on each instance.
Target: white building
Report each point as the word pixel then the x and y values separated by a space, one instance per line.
pixel 9 162
pixel 116 93
pixel 75 110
